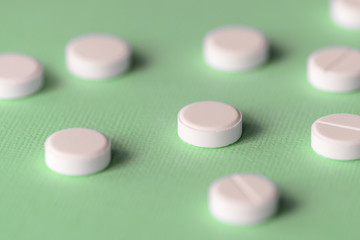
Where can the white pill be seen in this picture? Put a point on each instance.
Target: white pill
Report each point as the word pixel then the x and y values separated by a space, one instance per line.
pixel 337 136
pixel 20 75
pixel 243 198
pixel 335 69
pixel 209 124
pixel 98 56
pixel 235 48
pixel 77 151
pixel 346 13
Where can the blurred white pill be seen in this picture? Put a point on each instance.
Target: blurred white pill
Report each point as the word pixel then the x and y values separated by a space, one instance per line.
pixel 20 75
pixel 98 56
pixel 335 69
pixel 346 13
pixel 243 198
pixel 209 124
pixel 235 48
pixel 337 136
pixel 77 151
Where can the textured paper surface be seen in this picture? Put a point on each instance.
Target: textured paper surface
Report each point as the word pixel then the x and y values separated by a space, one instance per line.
pixel 156 186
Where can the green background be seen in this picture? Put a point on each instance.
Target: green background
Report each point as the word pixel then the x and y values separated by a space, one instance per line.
pixel 156 186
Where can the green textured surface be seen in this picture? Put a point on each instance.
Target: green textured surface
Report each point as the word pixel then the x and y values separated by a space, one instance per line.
pixel 156 186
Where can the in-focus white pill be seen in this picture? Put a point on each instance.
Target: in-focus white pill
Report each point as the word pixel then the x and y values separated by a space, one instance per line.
pixel 235 48
pixel 20 75
pixel 98 56
pixel 346 13
pixel 77 151
pixel 243 198
pixel 335 69
pixel 209 124
pixel 337 136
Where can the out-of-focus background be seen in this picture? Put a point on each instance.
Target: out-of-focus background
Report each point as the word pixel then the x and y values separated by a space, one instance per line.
pixel 156 186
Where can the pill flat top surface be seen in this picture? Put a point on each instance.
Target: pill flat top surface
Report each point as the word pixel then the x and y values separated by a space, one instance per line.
pixel 98 56
pixel 246 189
pixel 210 115
pixel 77 151
pixel 335 69
pixel 339 127
pixel 338 60
pixel 16 67
pixel 99 47
pixel 337 136
pixel 353 3
pixel 243 198
pixel 346 13
pixel 237 40
pixel 78 141
pixel 235 48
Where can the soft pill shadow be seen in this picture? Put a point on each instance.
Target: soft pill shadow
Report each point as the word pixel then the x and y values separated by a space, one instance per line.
pixel 51 81
pixel 250 131
pixel 119 158
pixel 275 54
pixel 138 62
pixel 286 205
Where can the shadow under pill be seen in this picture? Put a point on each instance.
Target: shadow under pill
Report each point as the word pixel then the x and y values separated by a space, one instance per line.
pixel 118 158
pixel 51 81
pixel 250 131
pixel 138 61
pixel 286 205
pixel 275 54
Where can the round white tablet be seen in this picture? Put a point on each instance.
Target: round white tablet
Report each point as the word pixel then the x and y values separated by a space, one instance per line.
pixel 243 198
pixel 335 69
pixel 209 124
pixel 337 136
pixel 77 151
pixel 20 75
pixel 346 13
pixel 98 56
pixel 235 48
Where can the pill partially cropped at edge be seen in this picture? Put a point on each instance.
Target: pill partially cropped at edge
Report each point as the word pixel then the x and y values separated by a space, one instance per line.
pixel 98 56
pixel 337 136
pixel 20 75
pixel 235 48
pixel 346 13
pixel 243 198
pixel 335 69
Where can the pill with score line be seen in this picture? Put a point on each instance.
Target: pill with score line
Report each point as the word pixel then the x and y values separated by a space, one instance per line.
pixel 337 136
pixel 243 198
pixel 335 69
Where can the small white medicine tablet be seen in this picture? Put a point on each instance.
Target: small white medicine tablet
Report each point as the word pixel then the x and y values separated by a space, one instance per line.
pixel 20 75
pixel 235 48
pixel 346 13
pixel 77 151
pixel 243 198
pixel 335 69
pixel 98 56
pixel 209 124
pixel 337 136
